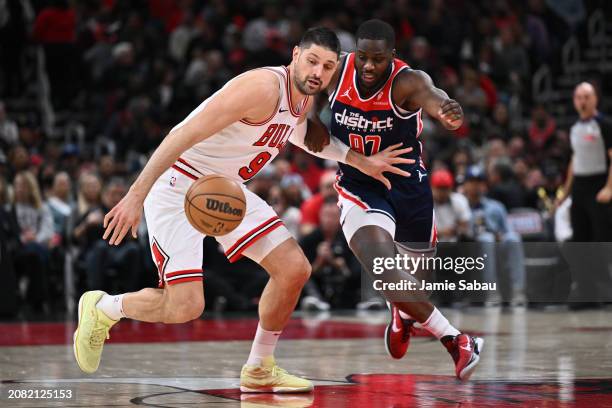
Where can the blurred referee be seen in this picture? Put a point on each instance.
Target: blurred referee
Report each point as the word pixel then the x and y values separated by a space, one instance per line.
pixel 589 178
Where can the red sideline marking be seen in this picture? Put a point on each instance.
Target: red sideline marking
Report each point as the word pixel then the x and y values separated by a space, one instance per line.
pixel 407 390
pixel 129 331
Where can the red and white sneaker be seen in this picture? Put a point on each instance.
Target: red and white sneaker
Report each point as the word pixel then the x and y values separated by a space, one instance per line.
pixel 465 351
pixel 397 334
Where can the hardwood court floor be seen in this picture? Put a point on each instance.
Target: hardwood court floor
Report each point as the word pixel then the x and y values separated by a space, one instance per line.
pixel 543 359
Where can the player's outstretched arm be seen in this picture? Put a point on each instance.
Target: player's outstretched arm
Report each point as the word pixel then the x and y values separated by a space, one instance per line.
pixel 374 166
pixel 252 96
pixel 414 89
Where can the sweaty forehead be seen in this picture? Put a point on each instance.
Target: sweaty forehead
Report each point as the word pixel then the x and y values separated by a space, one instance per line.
pixel 369 46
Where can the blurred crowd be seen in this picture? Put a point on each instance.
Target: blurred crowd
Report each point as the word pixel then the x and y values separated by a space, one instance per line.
pixel 124 73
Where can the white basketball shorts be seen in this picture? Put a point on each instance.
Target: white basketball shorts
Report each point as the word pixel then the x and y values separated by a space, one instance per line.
pixel 176 247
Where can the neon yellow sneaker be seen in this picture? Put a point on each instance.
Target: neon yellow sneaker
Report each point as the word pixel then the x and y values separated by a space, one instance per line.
pixel 92 332
pixel 268 377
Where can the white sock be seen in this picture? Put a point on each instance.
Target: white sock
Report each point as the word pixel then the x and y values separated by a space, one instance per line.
pixel 438 325
pixel 404 315
pixel 263 345
pixel 112 306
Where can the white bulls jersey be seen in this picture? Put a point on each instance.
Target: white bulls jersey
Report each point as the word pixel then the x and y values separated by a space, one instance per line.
pixel 243 148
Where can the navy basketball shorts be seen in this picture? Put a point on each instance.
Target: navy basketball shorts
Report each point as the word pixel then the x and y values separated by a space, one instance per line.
pixel 406 211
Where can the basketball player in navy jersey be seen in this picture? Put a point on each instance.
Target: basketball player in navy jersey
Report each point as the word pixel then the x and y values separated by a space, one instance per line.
pixel 377 101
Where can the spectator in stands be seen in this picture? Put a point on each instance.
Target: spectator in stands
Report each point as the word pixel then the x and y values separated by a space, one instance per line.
pixel 311 207
pixel 503 185
pixel 88 196
pixel 306 166
pixel 505 259
pixel 280 199
pixel 512 62
pixel 258 32
pixel 335 271
pixel 263 182
pixel 112 268
pixel 453 214
pixel 9 132
pixel 60 204
pixel 294 189
pixel 470 94
pixel 10 246
pixel 499 125
pixel 35 231
pixel 55 29
pixel 541 128
pixel 19 159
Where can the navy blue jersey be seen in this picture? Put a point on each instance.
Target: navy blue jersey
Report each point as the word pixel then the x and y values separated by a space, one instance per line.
pixel 373 124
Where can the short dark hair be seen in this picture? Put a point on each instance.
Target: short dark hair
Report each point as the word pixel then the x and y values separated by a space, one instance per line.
pixel 377 30
pixel 323 37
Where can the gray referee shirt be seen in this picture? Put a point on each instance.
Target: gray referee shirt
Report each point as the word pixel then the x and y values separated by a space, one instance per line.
pixel 590 140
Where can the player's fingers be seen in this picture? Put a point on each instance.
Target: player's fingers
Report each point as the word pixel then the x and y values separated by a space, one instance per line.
pixel 397 170
pixel 385 181
pixel 401 160
pixel 399 152
pixel 451 113
pixel 123 233
pixel 110 227
pixel 108 217
pixel 116 232
pixel 445 107
pixel 135 230
pixel 392 147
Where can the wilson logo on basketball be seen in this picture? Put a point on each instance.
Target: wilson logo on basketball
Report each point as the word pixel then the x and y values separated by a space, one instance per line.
pixel 222 207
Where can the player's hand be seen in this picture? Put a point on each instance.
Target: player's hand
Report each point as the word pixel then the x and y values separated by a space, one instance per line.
pixel 604 196
pixel 384 161
pixel 451 114
pixel 123 217
pixel 316 138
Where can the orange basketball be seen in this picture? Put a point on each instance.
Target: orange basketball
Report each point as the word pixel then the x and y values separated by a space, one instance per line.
pixel 215 205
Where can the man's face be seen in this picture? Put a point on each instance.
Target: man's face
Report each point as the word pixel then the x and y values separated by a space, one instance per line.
pixel 473 189
pixel 441 195
pixel 326 185
pixel 91 187
pixel 313 68
pixel 372 60
pixel 329 217
pixel 113 195
pixel 585 100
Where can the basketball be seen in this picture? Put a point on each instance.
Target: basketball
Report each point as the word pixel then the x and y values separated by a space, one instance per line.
pixel 215 205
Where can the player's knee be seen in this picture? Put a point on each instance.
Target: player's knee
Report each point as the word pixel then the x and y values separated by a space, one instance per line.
pixel 372 241
pixel 183 307
pixel 188 310
pixel 299 271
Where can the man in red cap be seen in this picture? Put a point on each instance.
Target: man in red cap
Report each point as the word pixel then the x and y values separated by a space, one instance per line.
pixel 452 209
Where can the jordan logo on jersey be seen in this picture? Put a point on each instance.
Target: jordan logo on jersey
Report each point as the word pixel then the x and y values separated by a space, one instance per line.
pixel 421 175
pixel 347 93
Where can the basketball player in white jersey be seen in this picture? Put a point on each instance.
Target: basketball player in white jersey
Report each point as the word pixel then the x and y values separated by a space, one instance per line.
pixel 234 133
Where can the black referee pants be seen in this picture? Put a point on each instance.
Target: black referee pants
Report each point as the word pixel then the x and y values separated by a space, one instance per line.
pixel 591 250
pixel 591 221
